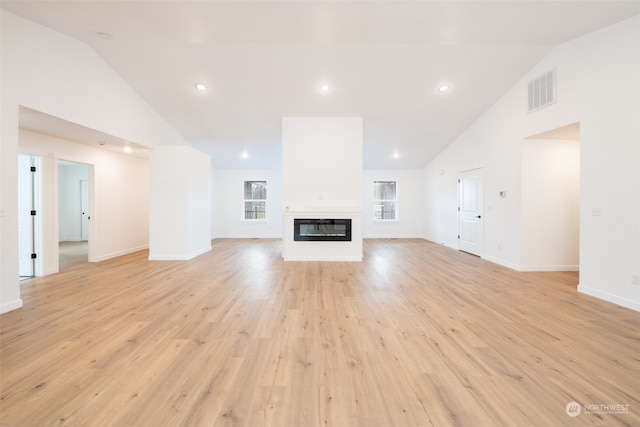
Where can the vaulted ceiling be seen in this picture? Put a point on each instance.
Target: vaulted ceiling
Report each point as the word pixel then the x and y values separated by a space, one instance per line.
pixel 382 60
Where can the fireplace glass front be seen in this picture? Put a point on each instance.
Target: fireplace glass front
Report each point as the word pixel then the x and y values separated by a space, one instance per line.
pixel 331 230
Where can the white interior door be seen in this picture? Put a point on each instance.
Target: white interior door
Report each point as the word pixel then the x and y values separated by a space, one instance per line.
pixel 25 219
pixel 84 206
pixel 470 211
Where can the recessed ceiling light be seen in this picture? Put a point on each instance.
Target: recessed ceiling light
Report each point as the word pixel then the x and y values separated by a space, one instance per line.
pixel 245 155
pixel 396 155
pixel 324 87
pixel 104 35
pixel 201 87
pixel 101 142
pixel 127 149
pixel 443 88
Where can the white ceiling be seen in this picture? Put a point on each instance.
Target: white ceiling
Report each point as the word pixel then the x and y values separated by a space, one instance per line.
pixel 383 60
pixel 49 125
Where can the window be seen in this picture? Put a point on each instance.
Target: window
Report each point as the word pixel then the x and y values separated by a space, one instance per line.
pixel 385 202
pixel 255 199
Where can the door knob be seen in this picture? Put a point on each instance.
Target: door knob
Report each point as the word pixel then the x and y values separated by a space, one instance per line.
pixel 478 216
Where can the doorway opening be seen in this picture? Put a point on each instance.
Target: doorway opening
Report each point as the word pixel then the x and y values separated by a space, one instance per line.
pixel 29 218
pixel 550 185
pixel 73 214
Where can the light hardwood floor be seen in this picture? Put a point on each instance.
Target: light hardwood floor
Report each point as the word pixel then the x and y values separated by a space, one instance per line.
pixel 417 335
pixel 72 254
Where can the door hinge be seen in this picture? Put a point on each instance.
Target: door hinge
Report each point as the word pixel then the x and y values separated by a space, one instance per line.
pixel 458 208
pixel 34 256
pixel 458 236
pixel 33 168
pixel 33 213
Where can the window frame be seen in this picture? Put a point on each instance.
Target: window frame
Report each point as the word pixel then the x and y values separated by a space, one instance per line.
pixel 245 200
pixel 395 202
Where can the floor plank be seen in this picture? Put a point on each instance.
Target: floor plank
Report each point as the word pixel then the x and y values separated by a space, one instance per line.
pixel 417 334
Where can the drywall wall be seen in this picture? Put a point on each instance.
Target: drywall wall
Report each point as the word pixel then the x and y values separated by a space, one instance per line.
pixel 180 209
pixel 550 205
pixel 322 163
pixel 49 72
pixel 119 222
pixel 609 162
pixel 229 221
pixel 410 195
pixel 227 212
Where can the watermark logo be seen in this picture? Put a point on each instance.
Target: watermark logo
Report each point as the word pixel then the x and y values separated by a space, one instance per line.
pixel 573 409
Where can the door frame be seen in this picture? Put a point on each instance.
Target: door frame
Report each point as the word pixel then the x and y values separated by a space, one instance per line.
pixel 480 210
pixel 91 204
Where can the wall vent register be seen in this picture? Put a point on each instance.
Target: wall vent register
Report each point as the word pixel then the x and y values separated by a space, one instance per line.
pixel 541 91
pixel 319 230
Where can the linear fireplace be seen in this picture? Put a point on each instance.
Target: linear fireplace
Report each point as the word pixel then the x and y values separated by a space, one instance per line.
pixel 331 230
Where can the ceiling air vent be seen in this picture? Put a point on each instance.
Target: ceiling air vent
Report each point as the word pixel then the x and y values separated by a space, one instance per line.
pixel 541 91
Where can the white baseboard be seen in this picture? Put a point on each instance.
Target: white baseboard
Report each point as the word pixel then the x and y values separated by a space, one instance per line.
pixel 525 268
pixel 502 262
pixel 180 257
pixel 245 236
pixel 386 236
pixel 48 272
pixel 120 253
pixel 624 302
pixel 10 306
pixel 200 252
pixel 445 244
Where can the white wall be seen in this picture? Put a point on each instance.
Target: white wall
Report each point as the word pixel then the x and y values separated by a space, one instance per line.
pixel 119 220
pixel 410 213
pixel 227 212
pixel 229 222
pixel 55 74
pixel 322 178
pixel 598 86
pixel 550 205
pixel 322 163
pixel 180 219
pixel 70 201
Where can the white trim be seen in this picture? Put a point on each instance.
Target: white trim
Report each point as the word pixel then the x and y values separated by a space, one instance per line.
pixel 396 210
pixel 10 306
pixel 247 236
pixel 387 237
pixel 244 202
pixel 501 262
pixel 120 253
pixel 527 268
pixel 615 299
pixel 180 257
pixel 445 244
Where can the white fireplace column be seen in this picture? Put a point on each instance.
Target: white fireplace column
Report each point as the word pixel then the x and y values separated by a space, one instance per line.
pixel 322 179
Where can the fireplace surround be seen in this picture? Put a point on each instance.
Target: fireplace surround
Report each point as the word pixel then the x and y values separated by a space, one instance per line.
pixel 330 248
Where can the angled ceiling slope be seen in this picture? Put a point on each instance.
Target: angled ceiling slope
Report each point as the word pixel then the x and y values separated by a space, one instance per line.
pixel 382 60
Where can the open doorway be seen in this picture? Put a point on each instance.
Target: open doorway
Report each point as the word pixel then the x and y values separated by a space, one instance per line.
pixel 73 214
pixel 551 200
